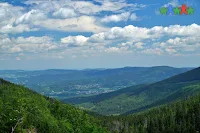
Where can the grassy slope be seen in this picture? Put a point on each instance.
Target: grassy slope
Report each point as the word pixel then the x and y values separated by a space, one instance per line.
pixel 137 98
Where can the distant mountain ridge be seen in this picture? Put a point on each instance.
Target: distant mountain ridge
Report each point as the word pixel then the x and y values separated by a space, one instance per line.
pixel 70 83
pixel 137 98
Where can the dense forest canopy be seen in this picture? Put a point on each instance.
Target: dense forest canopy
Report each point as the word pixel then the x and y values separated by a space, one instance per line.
pixel 24 110
pixel 179 117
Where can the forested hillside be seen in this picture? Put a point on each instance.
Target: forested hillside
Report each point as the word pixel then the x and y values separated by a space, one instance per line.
pixel 141 97
pixel 179 117
pixel 22 110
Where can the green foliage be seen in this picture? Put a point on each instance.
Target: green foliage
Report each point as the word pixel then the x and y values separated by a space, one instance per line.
pixel 25 110
pixel 179 117
pixel 137 98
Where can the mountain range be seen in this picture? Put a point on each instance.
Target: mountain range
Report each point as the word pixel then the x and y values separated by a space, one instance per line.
pixel 63 84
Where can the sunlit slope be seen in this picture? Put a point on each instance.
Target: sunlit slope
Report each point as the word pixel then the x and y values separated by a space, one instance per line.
pixel 137 98
pixel 26 111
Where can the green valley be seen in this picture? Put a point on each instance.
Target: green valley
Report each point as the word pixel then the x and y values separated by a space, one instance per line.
pixel 71 83
pixel 25 111
pixel 168 106
pixel 137 98
pixel 99 66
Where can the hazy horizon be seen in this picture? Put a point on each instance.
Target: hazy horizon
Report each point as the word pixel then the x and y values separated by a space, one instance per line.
pixel 93 68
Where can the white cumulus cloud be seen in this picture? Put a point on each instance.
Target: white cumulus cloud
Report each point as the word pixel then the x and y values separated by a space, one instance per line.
pixel 134 17
pixel 75 40
pixel 116 18
pixel 15 29
pixel 33 15
pixel 65 13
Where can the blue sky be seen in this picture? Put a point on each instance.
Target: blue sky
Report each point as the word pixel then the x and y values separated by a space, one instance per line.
pixel 69 34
